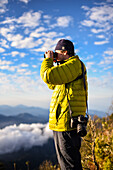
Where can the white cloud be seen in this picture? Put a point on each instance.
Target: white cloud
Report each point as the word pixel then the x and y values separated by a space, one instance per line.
pixel 94 70
pixel 3 4
pixel 100 29
pixel 3 43
pixel 34 66
pixel 101 14
pixel 18 80
pixel 24 136
pixel 102 81
pixel 89 57
pixel 19 41
pixel 77 51
pixel 47 19
pixel 100 91
pixel 88 23
pixel 2 62
pixel 24 65
pixel 100 20
pixel 89 64
pixel 27 42
pixel 2 10
pixel 100 36
pixel 38 30
pixel 25 86
pixel 106 68
pixel 96 31
pixel 8 20
pixel 30 19
pixel 48 44
pixel 28 73
pixel 14 53
pixel 25 1
pixel 63 21
pixel 22 55
pixel 35 38
pixel 85 8
pixel 4 31
pixel 2 50
pixel 101 42
pixel 45 34
pixel 109 51
pixel 107 59
pixel 21 71
pixel 7 65
pixel 14 38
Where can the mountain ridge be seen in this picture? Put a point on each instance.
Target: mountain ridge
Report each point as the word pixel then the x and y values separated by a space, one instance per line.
pixel 10 115
pixel 15 110
pixel 36 111
pixel 21 118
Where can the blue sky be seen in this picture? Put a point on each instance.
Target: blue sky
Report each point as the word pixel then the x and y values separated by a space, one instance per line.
pixel 28 28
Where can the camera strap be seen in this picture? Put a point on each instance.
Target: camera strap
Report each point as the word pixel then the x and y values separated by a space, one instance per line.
pixel 82 76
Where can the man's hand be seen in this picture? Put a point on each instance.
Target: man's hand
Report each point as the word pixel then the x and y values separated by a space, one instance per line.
pixel 49 54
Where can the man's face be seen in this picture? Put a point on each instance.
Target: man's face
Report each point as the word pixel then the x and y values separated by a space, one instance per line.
pixel 62 55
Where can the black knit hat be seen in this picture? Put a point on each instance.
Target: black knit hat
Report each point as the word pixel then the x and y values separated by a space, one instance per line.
pixel 65 45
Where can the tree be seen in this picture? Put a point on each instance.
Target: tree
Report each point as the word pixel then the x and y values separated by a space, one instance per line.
pixel 47 165
pixel 97 146
pixel 14 166
pixel 27 163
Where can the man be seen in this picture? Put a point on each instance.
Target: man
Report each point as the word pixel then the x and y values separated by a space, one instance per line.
pixel 66 81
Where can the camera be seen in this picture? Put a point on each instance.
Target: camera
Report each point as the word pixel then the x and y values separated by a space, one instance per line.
pixel 55 56
pixel 79 122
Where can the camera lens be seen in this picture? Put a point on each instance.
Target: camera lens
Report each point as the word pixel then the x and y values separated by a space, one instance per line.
pixel 81 118
pixel 81 130
pixel 55 55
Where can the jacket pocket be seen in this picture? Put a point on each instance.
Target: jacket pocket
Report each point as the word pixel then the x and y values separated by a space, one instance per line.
pixel 58 111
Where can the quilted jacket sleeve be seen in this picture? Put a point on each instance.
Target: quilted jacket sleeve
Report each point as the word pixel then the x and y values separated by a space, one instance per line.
pixel 60 74
pixel 51 86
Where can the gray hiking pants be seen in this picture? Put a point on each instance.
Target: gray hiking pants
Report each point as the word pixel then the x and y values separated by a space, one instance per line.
pixel 67 146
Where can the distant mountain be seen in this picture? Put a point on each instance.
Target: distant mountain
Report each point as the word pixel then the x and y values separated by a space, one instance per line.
pixel 36 111
pixel 15 110
pixel 21 118
pixel 98 113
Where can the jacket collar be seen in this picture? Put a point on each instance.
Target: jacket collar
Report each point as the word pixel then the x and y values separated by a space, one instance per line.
pixel 73 57
pixel 70 58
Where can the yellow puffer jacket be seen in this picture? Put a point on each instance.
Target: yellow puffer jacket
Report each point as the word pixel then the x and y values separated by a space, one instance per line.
pixel 56 77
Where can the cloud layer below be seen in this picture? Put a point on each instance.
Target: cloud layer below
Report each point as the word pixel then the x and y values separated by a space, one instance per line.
pixel 13 138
